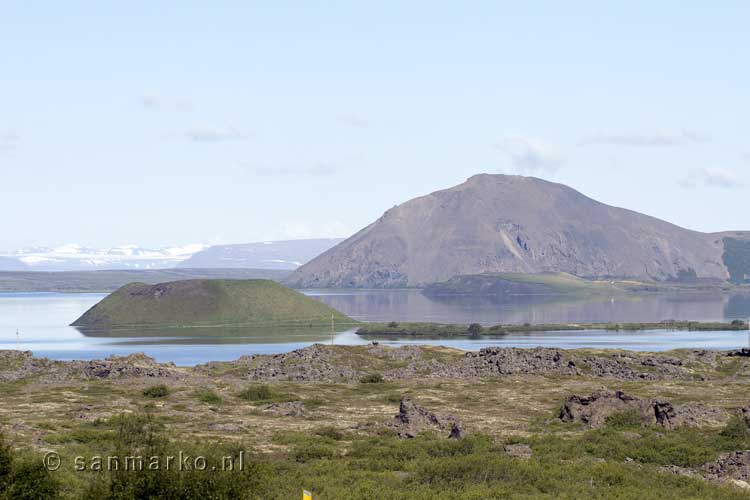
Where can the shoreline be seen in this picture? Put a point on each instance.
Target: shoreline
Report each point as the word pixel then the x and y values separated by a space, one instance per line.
pixel 475 330
pixel 345 363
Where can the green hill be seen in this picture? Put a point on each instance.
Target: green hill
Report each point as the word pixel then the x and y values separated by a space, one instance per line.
pixel 520 284
pixel 208 303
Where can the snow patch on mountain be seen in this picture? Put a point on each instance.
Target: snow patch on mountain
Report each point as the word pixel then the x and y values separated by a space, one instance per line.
pixel 74 257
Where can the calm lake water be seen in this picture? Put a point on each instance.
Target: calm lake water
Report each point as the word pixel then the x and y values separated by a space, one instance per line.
pixel 42 319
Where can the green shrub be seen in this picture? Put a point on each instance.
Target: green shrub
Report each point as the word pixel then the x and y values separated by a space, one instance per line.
pixel 307 451
pixel 31 481
pixel 6 462
pixel 140 435
pixel 331 432
pixel 208 396
pixel 24 479
pixel 156 391
pixel 736 429
pixel 263 393
pixel 624 419
pixel 393 397
pixel 82 436
pixel 372 378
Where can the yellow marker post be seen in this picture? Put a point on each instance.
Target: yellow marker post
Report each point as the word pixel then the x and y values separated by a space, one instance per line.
pixel 306 495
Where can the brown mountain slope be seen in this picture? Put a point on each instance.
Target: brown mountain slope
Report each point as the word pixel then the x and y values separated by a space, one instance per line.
pixel 499 223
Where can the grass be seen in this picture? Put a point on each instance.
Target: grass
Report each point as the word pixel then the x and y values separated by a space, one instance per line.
pixel 345 448
pixel 736 257
pixel 208 396
pixel 208 303
pixel 384 466
pixel 372 378
pixel 156 391
pixel 551 283
pixel 264 393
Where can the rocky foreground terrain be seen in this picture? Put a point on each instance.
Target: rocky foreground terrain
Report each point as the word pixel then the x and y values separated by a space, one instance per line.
pixel 526 401
pixel 348 364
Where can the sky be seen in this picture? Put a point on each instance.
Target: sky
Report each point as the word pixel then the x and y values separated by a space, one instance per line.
pixel 168 123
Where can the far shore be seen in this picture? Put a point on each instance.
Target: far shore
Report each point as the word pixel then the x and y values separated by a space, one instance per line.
pixel 438 330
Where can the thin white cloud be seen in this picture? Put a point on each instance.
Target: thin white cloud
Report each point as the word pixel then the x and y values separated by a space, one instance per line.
pixel 9 140
pixel 712 177
pixel 355 121
pixel 215 134
pixel 155 102
pixel 720 177
pixel 529 155
pixel 299 229
pixel 315 170
pixel 656 138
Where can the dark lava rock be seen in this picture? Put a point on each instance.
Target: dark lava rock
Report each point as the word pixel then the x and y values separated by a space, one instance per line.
pixel 731 467
pixel 133 365
pixel 507 361
pixel 628 366
pixel 594 410
pixel 413 418
pixel 16 365
pixel 316 363
pixel 456 432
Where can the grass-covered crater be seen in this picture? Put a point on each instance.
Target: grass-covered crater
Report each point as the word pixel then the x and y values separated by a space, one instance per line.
pixel 202 303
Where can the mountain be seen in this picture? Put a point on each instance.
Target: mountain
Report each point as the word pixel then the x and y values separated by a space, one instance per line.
pixel 207 303
pixel 278 255
pixel 11 264
pixel 288 254
pixel 500 223
pixel 74 257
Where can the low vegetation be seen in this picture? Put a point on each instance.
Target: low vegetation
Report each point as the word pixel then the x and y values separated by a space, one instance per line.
pixel 263 393
pixel 372 378
pixel 156 391
pixel 208 396
pixel 451 330
pixel 24 477
pixel 208 303
pixel 338 439
pixel 621 460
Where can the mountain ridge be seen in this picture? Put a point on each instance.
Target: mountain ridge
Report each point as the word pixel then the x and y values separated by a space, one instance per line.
pixel 281 254
pixel 500 223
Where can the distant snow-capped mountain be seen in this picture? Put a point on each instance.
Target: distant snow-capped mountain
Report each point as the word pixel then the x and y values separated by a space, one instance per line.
pixel 279 255
pixel 289 254
pixel 74 257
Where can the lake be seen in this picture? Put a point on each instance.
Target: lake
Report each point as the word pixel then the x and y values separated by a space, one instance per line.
pixel 42 318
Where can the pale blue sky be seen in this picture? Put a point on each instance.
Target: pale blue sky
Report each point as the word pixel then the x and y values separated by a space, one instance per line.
pixel 242 121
